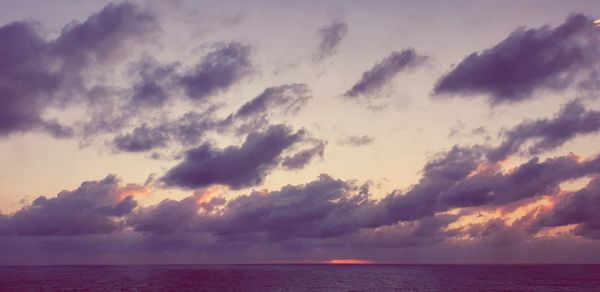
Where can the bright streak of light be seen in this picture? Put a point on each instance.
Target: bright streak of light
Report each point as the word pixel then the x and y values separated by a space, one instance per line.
pixel 348 262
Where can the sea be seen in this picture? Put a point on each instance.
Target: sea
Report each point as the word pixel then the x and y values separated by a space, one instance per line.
pixel 302 277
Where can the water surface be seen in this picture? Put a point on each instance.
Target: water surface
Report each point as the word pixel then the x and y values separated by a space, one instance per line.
pixel 302 278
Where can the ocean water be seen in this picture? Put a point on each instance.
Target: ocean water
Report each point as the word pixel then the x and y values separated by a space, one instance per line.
pixel 302 278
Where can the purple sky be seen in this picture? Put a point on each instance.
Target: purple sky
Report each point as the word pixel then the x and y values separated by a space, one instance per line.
pixel 299 131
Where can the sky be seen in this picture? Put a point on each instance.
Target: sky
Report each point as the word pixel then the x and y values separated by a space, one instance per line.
pixel 192 132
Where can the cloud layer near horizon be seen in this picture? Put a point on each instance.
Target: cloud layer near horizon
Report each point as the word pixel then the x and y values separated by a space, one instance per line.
pixel 328 213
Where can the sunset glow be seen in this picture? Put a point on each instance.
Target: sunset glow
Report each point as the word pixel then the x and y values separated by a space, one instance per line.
pixel 348 262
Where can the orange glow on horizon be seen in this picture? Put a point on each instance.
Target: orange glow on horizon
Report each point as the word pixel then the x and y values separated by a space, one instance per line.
pixel 348 262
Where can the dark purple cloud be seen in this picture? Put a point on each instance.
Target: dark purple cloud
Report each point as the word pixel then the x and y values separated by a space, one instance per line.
pixel 186 130
pixel 93 208
pixel 166 217
pixel 155 87
pixel 142 139
pixel 152 89
pixel 218 71
pixel 460 178
pixel 497 233
pixel 463 178
pixel 528 60
pixel 191 127
pixel 439 174
pixel 384 71
pixel 283 100
pixel 288 99
pixel 579 207
pixel 303 157
pixel 187 215
pixel 590 86
pixel 55 128
pixel 325 207
pixel 237 167
pixel 531 179
pixel 104 34
pixel 104 114
pixel 325 214
pixel 330 38
pixel 547 134
pixel 149 93
pixel 26 81
pixel 36 74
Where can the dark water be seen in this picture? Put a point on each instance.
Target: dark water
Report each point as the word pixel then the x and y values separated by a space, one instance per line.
pixel 303 278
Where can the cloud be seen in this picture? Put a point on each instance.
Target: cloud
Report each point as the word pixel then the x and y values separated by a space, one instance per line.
pixel 36 74
pixel 579 207
pixel 237 167
pixel 288 99
pixel 302 158
pixel 152 89
pixel 384 71
pixel 186 130
pixel 329 210
pixel 93 208
pixel 531 179
pixel 156 87
pixel 325 207
pixel 326 215
pixel 528 60
pixel 24 78
pixel 330 38
pixel 71 70
pixel 104 34
pixel 184 216
pixel 142 139
pixel 191 127
pixel 168 216
pixel 458 179
pixel 439 174
pixel 572 120
pixel 283 100
pixel 462 178
pixel 497 233
pixel 326 212
pixel 218 71
pixel 358 140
